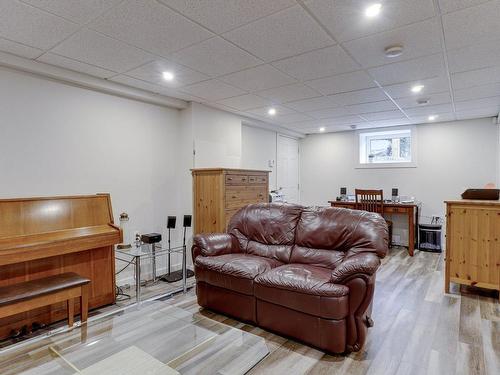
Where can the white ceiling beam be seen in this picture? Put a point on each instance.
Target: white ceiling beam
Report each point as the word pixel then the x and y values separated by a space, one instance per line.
pixel 86 81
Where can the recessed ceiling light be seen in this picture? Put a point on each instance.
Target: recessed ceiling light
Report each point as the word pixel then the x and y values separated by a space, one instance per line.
pixel 373 10
pixel 321 129
pixel 271 111
pixel 417 88
pixel 394 51
pixel 432 117
pixel 168 76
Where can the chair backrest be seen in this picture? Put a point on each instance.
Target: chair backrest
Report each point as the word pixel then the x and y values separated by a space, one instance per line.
pixel 370 200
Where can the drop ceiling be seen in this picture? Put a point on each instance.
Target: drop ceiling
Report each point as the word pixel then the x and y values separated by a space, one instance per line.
pixel 320 63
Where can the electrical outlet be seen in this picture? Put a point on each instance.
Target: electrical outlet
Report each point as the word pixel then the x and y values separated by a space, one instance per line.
pixel 396 239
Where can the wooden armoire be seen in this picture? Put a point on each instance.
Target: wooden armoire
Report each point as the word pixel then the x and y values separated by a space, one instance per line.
pixel 219 192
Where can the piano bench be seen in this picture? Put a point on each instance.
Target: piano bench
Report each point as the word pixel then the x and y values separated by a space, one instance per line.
pixel 29 295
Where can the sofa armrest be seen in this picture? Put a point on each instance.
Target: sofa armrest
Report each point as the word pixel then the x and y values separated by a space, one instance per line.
pixel 360 263
pixel 213 244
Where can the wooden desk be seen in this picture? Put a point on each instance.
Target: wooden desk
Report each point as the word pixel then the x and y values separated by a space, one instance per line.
pixel 47 236
pixel 473 243
pixel 410 210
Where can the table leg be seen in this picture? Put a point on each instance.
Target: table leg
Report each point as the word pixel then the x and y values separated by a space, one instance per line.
pixel 71 311
pixel 411 232
pixel 184 270
pixel 138 280
pixel 153 261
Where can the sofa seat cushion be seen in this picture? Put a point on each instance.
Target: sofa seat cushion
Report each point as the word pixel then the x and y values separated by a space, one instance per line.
pixel 304 288
pixel 233 271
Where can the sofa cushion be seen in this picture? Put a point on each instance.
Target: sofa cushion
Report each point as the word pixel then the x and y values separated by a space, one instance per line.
pixel 341 229
pixel 303 288
pixel 232 271
pixel 266 230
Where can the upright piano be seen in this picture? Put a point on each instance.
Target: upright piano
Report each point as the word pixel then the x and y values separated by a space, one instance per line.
pixel 46 236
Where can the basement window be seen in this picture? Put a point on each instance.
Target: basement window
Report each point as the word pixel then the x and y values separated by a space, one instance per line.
pixel 387 148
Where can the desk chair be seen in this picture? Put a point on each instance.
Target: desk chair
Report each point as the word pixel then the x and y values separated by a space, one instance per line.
pixel 372 201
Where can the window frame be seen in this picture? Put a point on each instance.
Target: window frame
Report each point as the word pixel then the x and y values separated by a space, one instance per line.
pixel 380 131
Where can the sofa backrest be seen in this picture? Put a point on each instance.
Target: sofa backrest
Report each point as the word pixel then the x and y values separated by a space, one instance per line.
pixel 321 236
pixel 326 235
pixel 266 229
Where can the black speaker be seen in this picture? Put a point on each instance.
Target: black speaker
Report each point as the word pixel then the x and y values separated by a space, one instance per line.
pixel 187 221
pixel 171 222
pixel 394 192
pixel 343 191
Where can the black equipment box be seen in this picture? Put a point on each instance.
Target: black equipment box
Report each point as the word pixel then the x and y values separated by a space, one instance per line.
pixel 151 238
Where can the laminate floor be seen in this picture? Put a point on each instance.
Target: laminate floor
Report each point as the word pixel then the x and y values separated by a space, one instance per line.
pixel 418 329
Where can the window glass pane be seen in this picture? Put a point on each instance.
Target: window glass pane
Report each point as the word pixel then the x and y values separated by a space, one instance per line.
pixel 391 146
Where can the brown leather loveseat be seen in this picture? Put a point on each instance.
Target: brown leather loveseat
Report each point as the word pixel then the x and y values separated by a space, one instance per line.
pixel 307 273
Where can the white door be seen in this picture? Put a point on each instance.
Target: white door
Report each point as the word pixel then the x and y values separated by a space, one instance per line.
pixel 287 176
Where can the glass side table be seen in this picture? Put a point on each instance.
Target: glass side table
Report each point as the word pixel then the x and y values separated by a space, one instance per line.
pixel 136 255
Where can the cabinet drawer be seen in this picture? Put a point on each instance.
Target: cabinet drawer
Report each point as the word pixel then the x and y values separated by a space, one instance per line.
pixel 257 180
pixel 244 193
pixel 236 179
pixel 236 204
pixel 396 210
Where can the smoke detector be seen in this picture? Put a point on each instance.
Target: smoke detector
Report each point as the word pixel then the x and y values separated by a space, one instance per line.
pixel 423 101
pixel 352 127
pixel 394 51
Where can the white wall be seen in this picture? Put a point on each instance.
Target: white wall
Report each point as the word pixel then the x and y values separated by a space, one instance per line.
pixel 451 157
pixel 258 147
pixel 57 139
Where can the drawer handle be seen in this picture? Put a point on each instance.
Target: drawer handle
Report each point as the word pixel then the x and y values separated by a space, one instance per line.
pixel 234 197
pixel 261 195
pixel 243 179
pixel 230 179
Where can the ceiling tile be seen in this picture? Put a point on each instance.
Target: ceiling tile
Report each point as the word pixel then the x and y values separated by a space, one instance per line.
pixel 289 119
pixel 478 113
pixel 476 77
pixel 283 94
pixel 215 57
pixel 280 111
pixel 346 20
pixel 259 78
pixel 313 104
pixel 319 63
pixel 439 118
pixel 96 49
pixel 470 25
pixel 212 90
pixel 342 83
pixel 476 56
pixel 411 70
pixel 477 92
pixel 245 102
pixel 31 26
pixel 222 15
pixel 151 26
pixel 282 34
pixel 329 113
pixel 387 122
pixel 419 39
pixel 349 120
pixel 385 115
pixel 447 6
pixel 75 10
pixel 385 105
pixel 360 96
pixel 153 72
pixel 19 49
pixel 434 99
pixel 478 103
pixel 429 110
pixel 431 86
pixel 64 62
